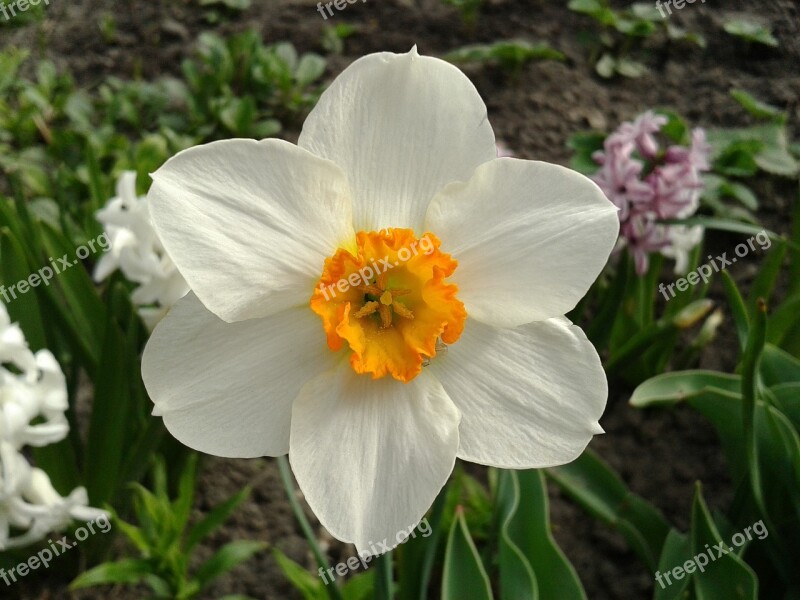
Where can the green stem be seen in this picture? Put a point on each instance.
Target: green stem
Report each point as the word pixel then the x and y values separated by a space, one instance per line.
pixel 384 577
pixel 322 562
pixel 752 354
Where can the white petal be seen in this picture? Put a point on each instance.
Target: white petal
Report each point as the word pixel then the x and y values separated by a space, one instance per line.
pixel 529 237
pixel 530 397
pixel 227 388
pixel 371 455
pixel 401 127
pixel 249 224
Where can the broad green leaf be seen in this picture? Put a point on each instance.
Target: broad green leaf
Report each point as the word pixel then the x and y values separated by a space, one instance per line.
pixel 592 483
pixel 517 580
pixel 677 550
pixel 669 388
pixel 777 366
pixel 464 575
pixel 528 527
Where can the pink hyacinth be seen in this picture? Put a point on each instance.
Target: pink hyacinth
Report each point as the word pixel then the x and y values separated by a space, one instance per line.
pixel 650 184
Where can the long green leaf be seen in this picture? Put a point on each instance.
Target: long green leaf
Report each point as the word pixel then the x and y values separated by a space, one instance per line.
pixel 726 577
pixel 464 575
pixel 131 570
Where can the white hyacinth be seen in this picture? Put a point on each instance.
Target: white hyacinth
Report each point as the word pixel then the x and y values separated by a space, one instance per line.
pixel 32 388
pixel 136 250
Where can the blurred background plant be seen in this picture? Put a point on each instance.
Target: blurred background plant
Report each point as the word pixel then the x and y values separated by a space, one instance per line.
pixel 618 46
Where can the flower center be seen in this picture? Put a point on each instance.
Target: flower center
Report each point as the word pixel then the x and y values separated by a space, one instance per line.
pixel 387 299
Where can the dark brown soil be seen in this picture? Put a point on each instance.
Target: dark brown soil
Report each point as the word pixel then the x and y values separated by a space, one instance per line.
pixel 660 454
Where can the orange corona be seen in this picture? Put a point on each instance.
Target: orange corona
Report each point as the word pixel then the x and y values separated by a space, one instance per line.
pixel 389 302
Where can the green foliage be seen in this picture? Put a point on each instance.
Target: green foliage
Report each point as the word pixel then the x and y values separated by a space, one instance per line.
pixel 467 8
pixel 165 541
pixel 509 55
pixel 751 32
pixel 614 50
pixel 333 36
pixel 240 87
pixel 757 418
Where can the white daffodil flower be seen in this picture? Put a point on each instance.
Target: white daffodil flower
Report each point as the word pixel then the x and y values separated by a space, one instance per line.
pixel 136 250
pixel 328 279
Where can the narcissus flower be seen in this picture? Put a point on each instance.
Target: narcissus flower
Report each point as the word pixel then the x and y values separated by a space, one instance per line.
pixel 381 298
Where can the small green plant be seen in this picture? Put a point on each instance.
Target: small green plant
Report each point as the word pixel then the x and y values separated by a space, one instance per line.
pixel 165 541
pixel 243 88
pixel 751 32
pixel 333 36
pixel 615 49
pixel 742 153
pixel 217 10
pixel 509 55
pixel 468 8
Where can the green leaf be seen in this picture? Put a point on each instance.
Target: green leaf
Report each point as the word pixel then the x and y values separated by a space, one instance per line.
pixel 111 417
pixel 464 575
pixel 756 107
pixel 128 571
pixel 517 580
pixel 511 55
pixel 670 388
pixel 527 526
pixel 182 507
pixel 309 69
pixel 606 66
pixel 311 587
pixel 359 587
pixel 750 31
pixel 677 550
pixel 214 519
pixel 778 367
pixel 591 483
pixel 741 317
pixel 24 309
pixel 764 283
pixel 85 313
pixel 727 577
pixel 585 145
pixel 226 558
